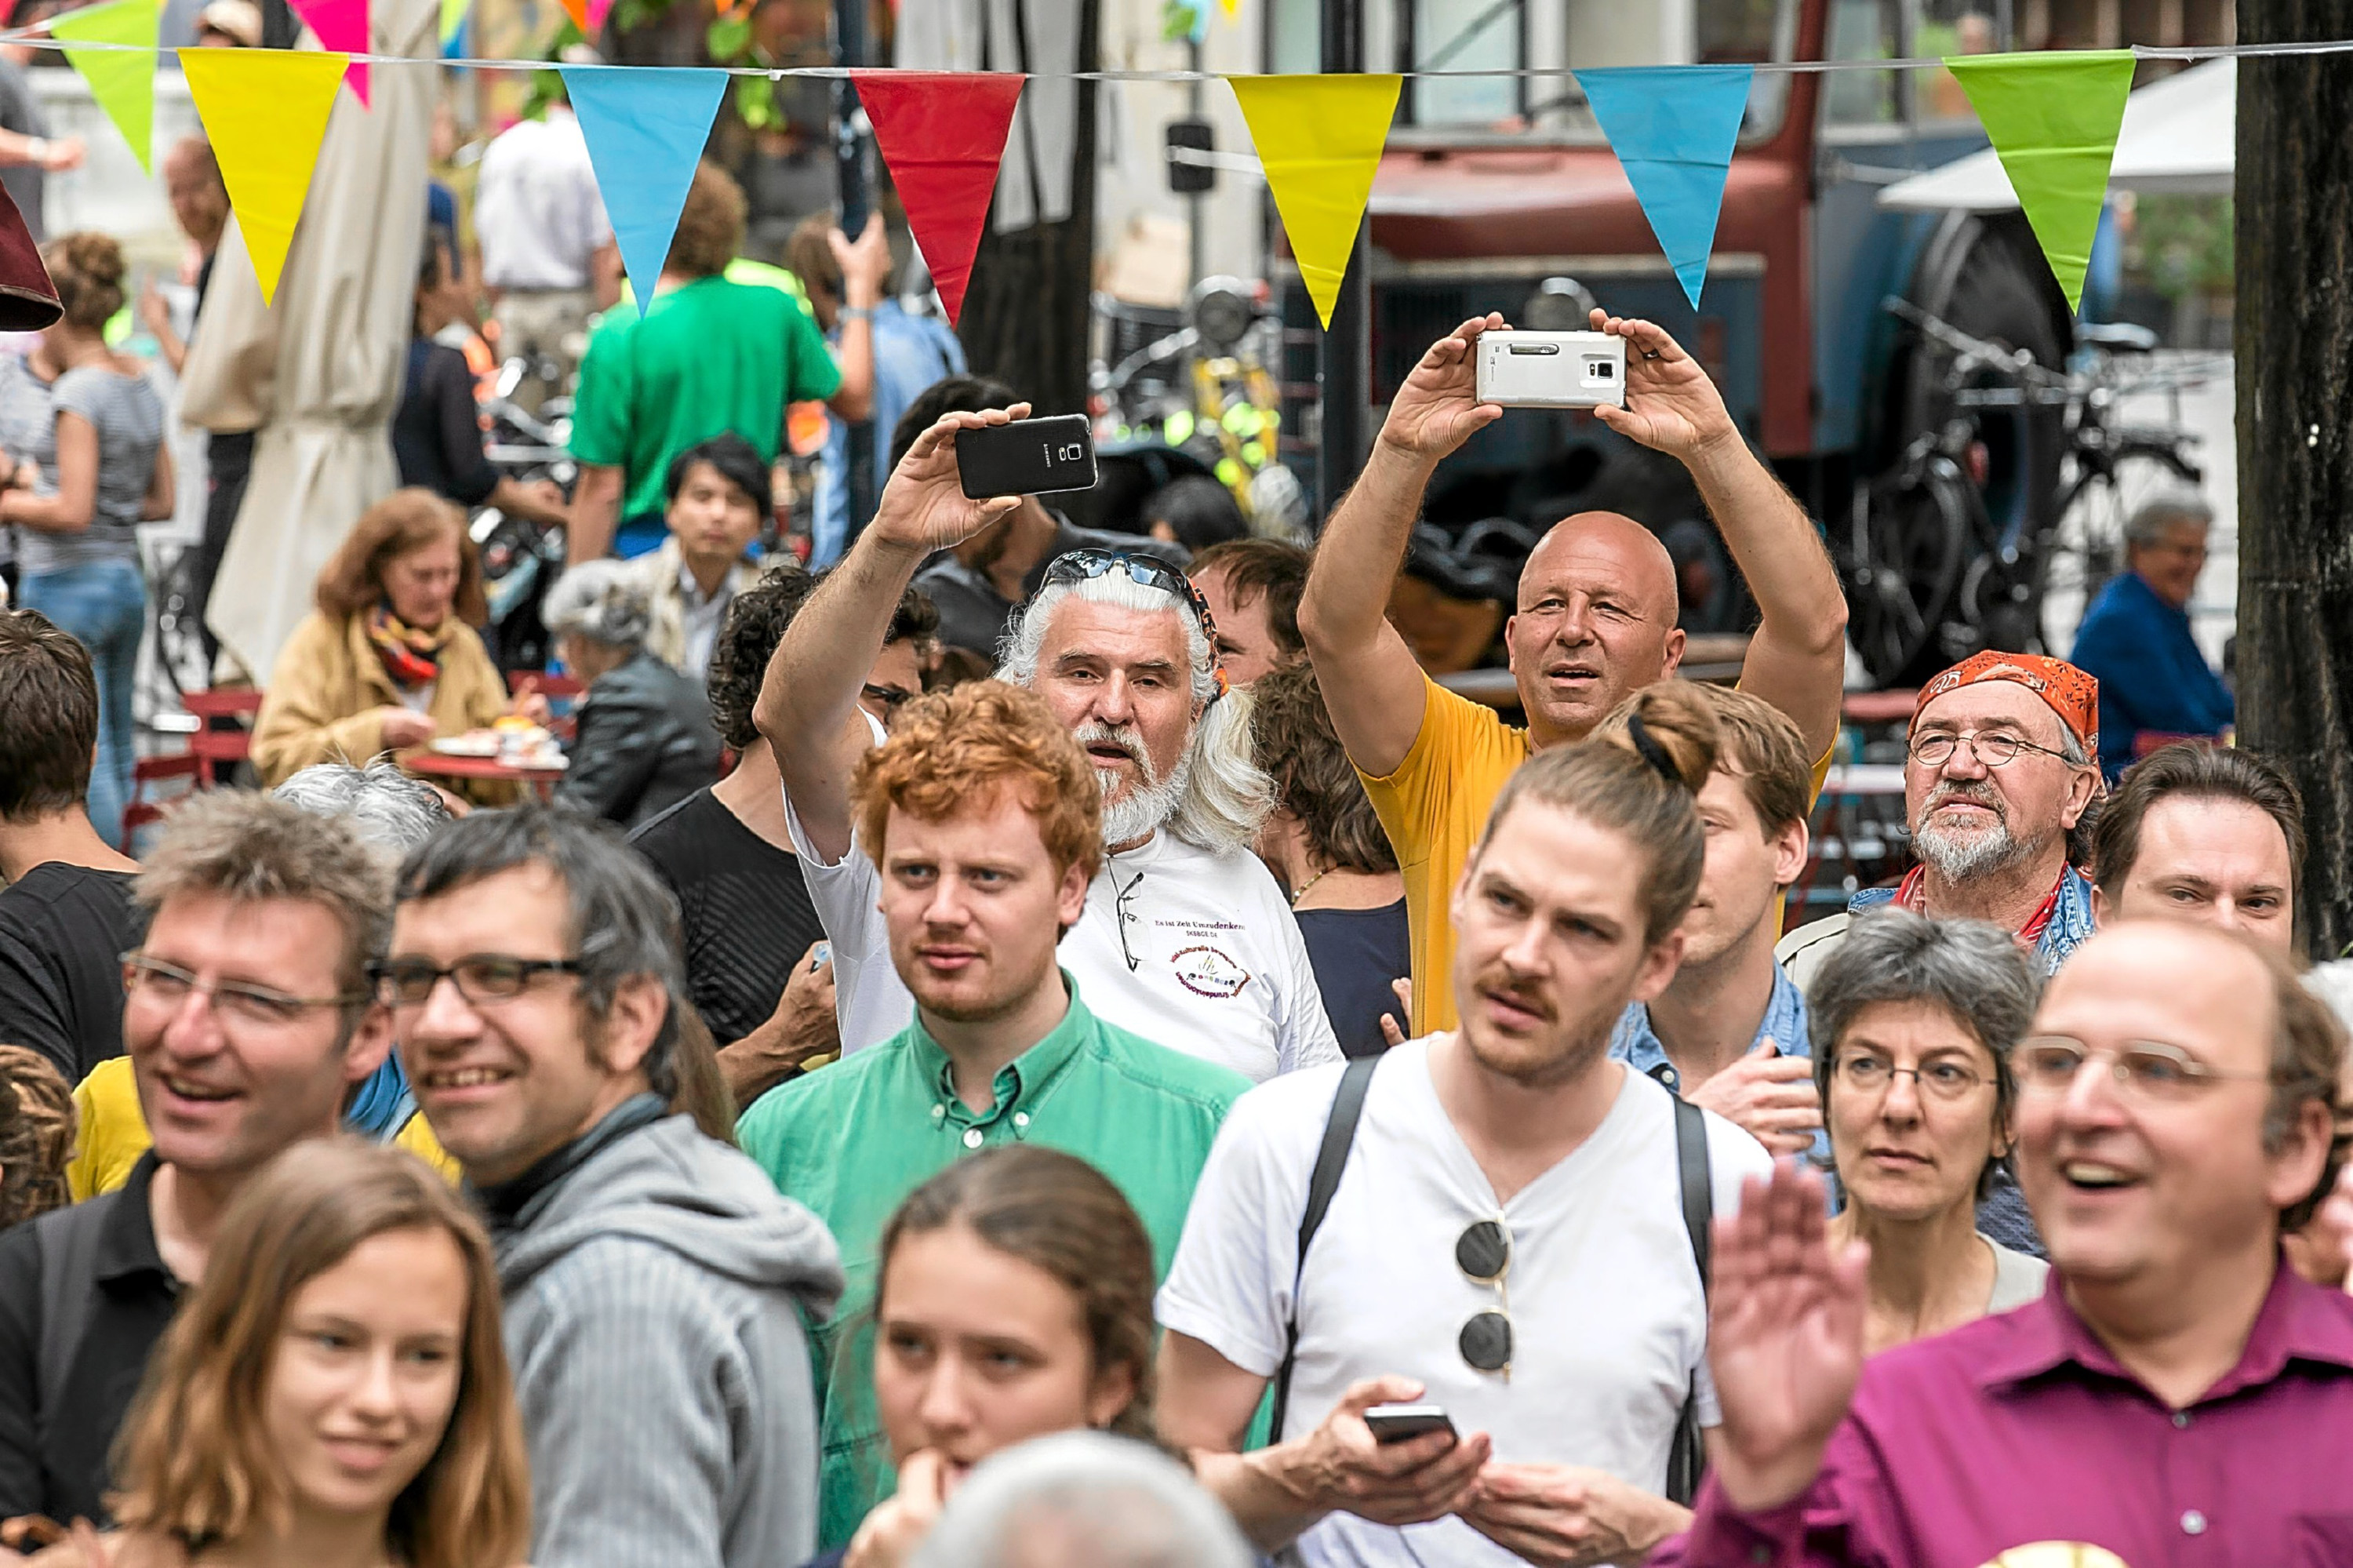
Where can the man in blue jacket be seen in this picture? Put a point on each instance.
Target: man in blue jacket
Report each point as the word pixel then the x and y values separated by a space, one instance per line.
pixel 2135 637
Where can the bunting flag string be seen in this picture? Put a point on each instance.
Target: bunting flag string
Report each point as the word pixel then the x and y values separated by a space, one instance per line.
pixel 1319 140
pixel 122 76
pixel 2053 119
pixel 266 113
pixel 1674 129
pixel 645 127
pixel 342 28
pixel 942 134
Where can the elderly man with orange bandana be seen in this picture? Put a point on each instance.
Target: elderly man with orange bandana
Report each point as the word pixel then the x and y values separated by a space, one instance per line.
pixel 2001 766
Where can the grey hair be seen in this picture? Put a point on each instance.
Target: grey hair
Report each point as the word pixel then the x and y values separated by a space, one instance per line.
pixel 1082 1500
pixel 623 921
pixel 2152 520
pixel 603 601
pixel 385 806
pixel 1226 798
pixel 1971 968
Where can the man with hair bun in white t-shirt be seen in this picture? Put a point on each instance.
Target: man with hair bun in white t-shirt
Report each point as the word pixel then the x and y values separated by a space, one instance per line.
pixel 1513 1235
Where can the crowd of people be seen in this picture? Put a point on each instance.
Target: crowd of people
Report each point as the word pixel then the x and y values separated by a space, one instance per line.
pixel 1034 1045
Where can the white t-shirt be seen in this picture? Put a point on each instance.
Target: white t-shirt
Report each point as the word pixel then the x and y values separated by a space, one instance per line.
pixel 1220 970
pixel 1609 1323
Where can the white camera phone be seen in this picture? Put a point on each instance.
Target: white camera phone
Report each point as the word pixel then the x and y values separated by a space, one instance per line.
pixel 1551 369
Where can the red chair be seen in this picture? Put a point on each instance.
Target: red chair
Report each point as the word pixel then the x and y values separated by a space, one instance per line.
pixel 220 748
pixel 149 770
pixel 555 688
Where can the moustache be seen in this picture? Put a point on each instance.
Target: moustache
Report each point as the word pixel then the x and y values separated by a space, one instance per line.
pixel 1975 794
pixel 1499 980
pixel 1126 738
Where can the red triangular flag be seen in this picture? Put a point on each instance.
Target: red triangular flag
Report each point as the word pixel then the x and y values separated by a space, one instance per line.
pixel 942 134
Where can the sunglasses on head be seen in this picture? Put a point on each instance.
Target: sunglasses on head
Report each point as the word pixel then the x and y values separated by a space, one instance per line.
pixel 1083 565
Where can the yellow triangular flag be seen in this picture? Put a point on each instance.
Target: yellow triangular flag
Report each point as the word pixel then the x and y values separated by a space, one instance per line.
pixel 266 111
pixel 1319 139
pixel 1232 8
pixel 121 80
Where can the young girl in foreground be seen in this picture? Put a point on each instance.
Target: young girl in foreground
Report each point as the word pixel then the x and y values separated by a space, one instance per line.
pixel 336 1393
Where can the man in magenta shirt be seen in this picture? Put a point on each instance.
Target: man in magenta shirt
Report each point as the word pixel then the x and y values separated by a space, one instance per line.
pixel 2178 1396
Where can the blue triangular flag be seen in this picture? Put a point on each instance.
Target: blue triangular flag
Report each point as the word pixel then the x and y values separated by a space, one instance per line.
pixel 1674 129
pixel 645 127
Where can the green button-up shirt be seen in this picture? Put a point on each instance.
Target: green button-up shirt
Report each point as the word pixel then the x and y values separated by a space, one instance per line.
pixel 853 1140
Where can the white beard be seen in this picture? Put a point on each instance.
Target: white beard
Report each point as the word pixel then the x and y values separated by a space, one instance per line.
pixel 1147 807
pixel 1964 857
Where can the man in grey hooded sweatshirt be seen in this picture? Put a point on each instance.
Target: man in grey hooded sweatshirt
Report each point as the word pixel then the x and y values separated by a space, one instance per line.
pixel 658 1289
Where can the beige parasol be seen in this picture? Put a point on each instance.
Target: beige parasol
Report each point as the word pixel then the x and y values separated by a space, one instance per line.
pixel 319 374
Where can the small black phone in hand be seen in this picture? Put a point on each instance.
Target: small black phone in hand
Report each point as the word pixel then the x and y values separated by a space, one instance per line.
pixel 1027 457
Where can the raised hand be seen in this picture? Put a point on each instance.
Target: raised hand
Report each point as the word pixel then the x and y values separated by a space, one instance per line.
pixel 1438 408
pixel 925 507
pixel 1670 405
pixel 1783 1340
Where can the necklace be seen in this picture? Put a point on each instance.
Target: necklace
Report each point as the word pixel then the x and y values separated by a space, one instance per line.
pixel 1308 884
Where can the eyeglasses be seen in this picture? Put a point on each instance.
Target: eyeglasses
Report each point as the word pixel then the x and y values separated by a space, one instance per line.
pixel 889 699
pixel 1119 909
pixel 169 985
pixel 1484 1253
pixel 1993 747
pixel 480 977
pixel 1867 1074
pixel 2144 1070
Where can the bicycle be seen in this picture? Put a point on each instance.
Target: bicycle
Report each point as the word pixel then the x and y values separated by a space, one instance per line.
pixel 1931 577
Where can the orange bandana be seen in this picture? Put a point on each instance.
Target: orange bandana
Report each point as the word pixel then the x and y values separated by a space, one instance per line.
pixel 2073 695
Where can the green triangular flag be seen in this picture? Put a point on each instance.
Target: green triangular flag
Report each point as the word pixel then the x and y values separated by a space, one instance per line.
pixel 2053 118
pixel 122 79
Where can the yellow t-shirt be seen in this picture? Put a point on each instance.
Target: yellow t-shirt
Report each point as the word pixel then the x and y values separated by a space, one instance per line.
pixel 1434 807
pixel 113 1133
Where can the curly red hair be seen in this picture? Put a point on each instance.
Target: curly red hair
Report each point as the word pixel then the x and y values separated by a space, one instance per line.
pixel 955 747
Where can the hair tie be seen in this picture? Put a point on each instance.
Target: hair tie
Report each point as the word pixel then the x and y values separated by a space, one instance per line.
pixel 1653 752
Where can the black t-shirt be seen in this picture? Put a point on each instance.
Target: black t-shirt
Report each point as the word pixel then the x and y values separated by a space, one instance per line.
pixel 63 931
pixel 1356 953
pixel 437 432
pixel 745 912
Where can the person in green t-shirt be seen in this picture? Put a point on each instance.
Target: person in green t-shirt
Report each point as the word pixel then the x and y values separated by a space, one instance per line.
pixel 983 817
pixel 709 354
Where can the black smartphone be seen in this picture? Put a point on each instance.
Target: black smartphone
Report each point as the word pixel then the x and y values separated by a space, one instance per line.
pixel 1396 1422
pixel 1027 457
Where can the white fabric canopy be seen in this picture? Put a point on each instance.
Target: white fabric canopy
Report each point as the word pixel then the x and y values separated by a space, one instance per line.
pixel 2178 138
pixel 319 375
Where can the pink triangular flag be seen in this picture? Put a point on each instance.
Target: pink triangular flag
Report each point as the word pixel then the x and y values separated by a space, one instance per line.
pixel 598 11
pixel 342 28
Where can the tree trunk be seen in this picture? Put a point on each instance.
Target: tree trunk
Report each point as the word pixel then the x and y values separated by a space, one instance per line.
pixel 2294 351
pixel 1027 312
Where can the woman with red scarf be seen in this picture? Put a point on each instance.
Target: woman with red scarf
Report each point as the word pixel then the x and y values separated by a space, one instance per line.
pixel 388 659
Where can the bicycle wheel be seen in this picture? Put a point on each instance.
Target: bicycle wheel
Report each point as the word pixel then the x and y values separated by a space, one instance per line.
pixel 1906 560
pixel 2088 544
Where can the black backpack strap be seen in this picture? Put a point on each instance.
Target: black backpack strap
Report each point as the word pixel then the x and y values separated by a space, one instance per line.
pixel 1688 1459
pixel 68 1239
pixel 1331 1158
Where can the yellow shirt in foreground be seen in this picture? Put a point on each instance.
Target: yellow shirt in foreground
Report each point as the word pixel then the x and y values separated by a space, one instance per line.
pixel 114 1133
pixel 1434 807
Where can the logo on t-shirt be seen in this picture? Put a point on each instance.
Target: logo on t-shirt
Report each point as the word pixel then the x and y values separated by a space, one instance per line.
pixel 1207 971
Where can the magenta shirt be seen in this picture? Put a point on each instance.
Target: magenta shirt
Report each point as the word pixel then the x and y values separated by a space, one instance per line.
pixel 2023 1428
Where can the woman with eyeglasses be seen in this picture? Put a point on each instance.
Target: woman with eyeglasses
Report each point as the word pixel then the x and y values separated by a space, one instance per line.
pixel 1913 1021
pixel 1015 1301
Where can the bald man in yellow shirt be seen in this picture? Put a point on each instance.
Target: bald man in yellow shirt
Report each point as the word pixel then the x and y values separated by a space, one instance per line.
pixel 1595 619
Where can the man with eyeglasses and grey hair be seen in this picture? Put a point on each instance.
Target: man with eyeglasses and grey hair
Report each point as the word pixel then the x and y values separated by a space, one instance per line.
pixel 247 1019
pixel 2000 773
pixel 2178 1395
pixel 1185 939
pixel 2136 638
pixel 655 1283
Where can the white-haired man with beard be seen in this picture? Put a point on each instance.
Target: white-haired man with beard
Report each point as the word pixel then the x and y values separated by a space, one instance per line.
pixel 1185 939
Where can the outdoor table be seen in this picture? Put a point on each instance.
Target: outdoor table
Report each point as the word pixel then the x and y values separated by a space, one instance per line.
pixel 441 764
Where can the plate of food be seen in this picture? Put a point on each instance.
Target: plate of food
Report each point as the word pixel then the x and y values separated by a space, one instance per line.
pixel 473 743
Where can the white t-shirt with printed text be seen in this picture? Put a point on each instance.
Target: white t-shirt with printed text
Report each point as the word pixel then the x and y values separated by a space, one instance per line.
pixel 1212 965
pixel 1608 1321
